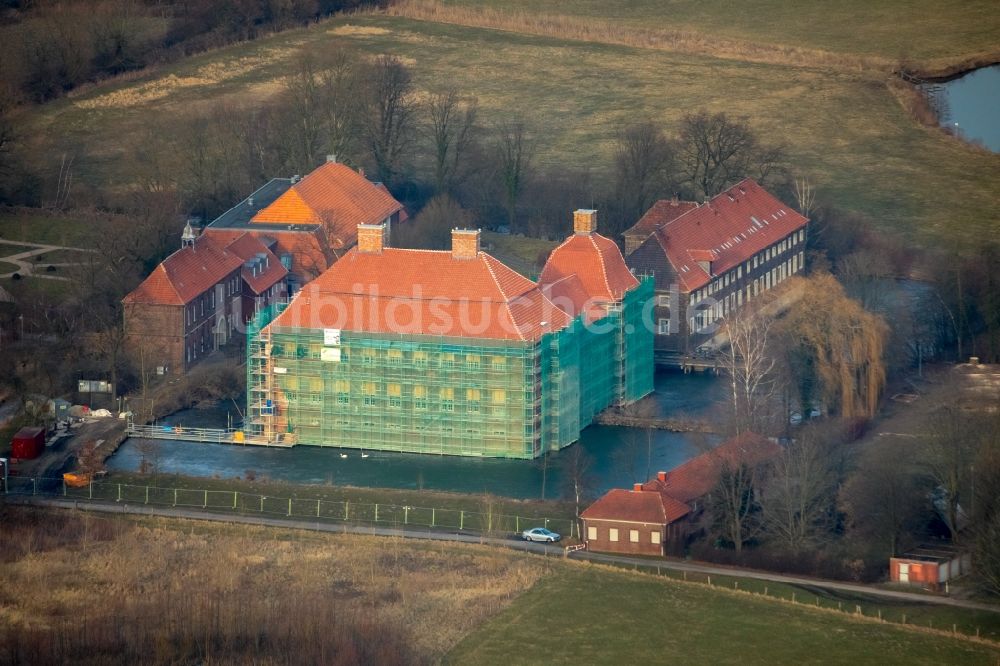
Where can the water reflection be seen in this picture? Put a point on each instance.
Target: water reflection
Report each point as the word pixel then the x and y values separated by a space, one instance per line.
pixel 620 455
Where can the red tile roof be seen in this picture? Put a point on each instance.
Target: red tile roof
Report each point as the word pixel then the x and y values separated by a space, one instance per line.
pixel 335 197
pixel 698 476
pixel 728 230
pixel 424 292
pixel 308 249
pixel 661 212
pixel 636 506
pixel 596 262
pixel 186 274
pixel 248 247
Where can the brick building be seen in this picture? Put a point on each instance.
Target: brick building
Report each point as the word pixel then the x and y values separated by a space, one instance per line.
pixel 312 221
pixel 636 522
pixel 669 505
pixel 709 259
pixel 198 298
pixel 451 352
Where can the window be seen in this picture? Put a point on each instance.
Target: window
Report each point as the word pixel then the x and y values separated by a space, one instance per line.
pixel 613 534
pixel 499 396
pixel 420 359
pixel 663 327
pixel 342 388
pixel 368 356
pixel 447 360
pixel 395 393
pixel 420 397
pixel 447 399
pixel 395 356
pixel 663 300
pixel 368 391
pixel 654 537
pixel 633 536
pixel 472 397
pixel 592 533
pixel 472 361
pixel 498 363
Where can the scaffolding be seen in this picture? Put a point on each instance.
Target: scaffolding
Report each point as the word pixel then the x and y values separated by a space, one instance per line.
pixel 447 396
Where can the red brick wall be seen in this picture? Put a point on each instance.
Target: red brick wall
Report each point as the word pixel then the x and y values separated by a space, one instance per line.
pixel 155 336
pixel 624 544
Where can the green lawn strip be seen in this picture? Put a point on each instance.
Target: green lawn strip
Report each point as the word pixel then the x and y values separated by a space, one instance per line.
pixel 559 513
pixel 843 130
pixel 918 29
pixel 596 616
pixel 931 615
pixel 35 225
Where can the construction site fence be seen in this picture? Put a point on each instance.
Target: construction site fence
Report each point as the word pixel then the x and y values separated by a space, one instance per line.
pixel 238 501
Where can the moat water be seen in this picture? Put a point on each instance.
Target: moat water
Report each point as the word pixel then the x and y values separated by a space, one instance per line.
pixel 620 455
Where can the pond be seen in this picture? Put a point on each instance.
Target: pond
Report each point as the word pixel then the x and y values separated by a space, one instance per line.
pixel 972 106
pixel 620 455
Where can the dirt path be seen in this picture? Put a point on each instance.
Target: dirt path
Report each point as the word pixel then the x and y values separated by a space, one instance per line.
pixel 26 268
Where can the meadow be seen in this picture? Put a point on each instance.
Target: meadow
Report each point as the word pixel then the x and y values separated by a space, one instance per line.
pixel 844 129
pixel 600 616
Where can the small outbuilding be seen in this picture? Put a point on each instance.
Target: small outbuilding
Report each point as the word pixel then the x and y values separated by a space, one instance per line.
pixel 930 567
pixel 28 443
pixel 637 522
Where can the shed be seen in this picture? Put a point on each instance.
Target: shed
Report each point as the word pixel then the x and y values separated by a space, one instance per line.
pixel 28 443
pixel 929 566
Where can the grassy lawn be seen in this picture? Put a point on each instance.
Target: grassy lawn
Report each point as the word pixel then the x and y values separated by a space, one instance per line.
pixel 595 616
pixel 919 29
pixel 46 228
pixel 844 130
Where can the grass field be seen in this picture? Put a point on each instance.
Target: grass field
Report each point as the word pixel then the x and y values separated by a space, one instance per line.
pixel 891 29
pixel 843 129
pixel 605 617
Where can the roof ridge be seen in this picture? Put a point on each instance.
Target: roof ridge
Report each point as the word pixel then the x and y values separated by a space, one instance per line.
pixel 604 268
pixel 506 303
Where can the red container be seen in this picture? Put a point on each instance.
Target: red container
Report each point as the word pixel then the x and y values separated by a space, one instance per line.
pixel 28 443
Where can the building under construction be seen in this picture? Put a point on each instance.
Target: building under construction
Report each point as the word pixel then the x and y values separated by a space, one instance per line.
pixel 452 352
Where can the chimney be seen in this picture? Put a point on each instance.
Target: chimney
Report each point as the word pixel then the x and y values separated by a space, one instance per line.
pixel 332 158
pixel 637 487
pixel 675 200
pixel 371 238
pixel 464 243
pixel 361 171
pixel 661 476
pixel 584 221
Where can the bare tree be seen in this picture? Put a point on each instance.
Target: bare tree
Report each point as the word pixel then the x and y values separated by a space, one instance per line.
pixel 388 116
pixel 733 503
pixel 644 170
pixel 513 151
pixel 431 229
pixel 452 127
pixel 884 498
pixel 305 108
pixel 578 480
pixel 750 365
pixel 798 499
pixel 805 196
pixel 716 150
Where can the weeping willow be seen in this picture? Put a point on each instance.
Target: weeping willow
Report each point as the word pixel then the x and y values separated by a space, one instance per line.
pixel 845 343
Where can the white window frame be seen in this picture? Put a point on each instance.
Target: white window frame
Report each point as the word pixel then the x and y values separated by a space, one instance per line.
pixel 633 536
pixel 613 534
pixel 591 533
pixel 654 537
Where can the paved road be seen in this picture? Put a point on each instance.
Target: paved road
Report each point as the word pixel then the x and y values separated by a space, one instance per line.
pixel 516 544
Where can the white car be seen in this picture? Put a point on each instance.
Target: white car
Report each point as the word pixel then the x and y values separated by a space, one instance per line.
pixel 539 534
